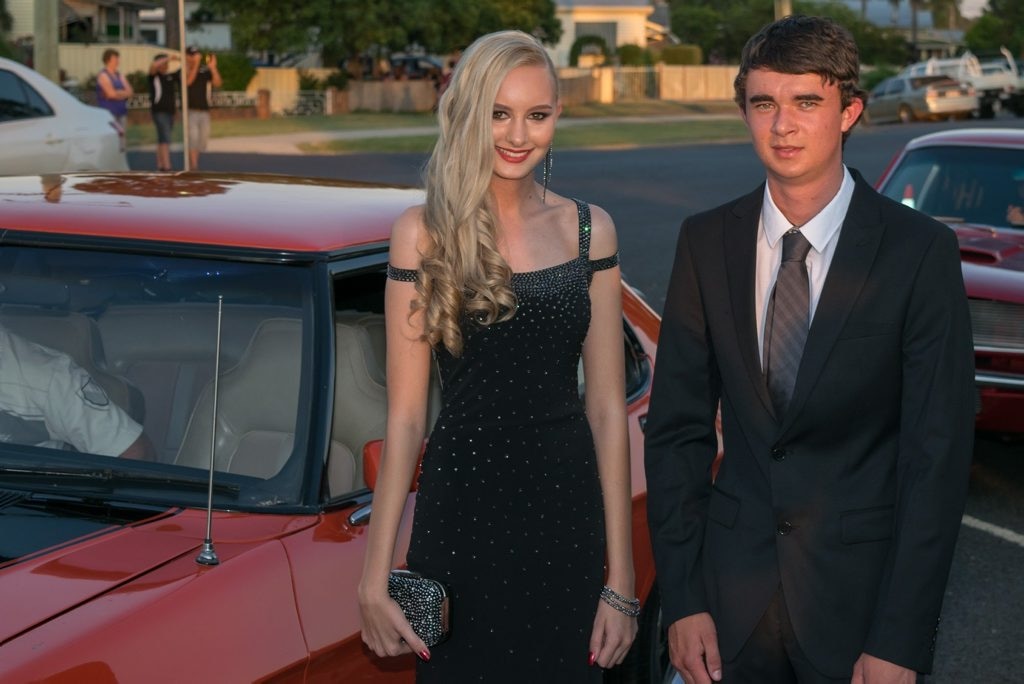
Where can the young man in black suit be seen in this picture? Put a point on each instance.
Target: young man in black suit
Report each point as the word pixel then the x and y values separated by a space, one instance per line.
pixel 831 325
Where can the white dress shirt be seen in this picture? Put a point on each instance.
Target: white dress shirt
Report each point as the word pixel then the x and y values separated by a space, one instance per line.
pixel 822 232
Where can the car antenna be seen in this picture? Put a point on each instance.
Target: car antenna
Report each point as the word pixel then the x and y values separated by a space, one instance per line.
pixel 208 556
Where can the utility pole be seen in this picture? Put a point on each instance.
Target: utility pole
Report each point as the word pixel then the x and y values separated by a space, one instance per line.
pixel 186 164
pixel 172 37
pixel 783 8
pixel 45 56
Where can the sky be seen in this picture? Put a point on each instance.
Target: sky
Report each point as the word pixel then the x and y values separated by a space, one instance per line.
pixel 972 8
pixel 880 11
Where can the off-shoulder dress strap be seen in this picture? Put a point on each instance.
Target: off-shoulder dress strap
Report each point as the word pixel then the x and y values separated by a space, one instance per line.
pixel 583 210
pixel 404 275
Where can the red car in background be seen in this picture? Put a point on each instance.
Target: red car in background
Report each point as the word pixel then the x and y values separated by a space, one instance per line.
pixel 973 180
pixel 241 314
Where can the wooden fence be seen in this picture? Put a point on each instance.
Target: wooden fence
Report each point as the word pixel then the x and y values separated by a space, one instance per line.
pixel 282 96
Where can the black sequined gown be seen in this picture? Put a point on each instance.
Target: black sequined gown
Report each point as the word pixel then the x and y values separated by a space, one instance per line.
pixel 509 511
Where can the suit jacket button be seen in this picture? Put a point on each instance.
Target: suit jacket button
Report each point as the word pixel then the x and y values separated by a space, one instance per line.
pixel 784 528
pixel 778 453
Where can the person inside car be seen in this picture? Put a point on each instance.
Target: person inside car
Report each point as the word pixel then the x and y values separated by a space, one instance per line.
pixel 46 399
pixel 1015 212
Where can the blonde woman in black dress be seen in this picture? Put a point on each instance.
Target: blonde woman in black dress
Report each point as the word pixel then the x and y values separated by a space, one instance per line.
pixel 524 503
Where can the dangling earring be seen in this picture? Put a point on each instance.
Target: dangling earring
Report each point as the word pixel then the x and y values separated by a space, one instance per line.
pixel 547 175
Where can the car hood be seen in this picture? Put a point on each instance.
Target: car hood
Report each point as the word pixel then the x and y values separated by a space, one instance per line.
pixel 987 246
pixel 85 552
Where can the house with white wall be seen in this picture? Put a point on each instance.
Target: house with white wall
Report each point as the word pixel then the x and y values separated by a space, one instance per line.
pixel 618 22
pixel 83 21
pixel 208 35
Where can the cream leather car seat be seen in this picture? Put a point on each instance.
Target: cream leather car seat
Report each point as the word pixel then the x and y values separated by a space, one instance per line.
pixel 360 396
pixel 257 406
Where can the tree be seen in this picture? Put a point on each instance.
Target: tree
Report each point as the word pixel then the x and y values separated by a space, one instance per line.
pixel 1001 24
pixel 340 28
pixel 172 25
pixel 6 23
pixel 722 27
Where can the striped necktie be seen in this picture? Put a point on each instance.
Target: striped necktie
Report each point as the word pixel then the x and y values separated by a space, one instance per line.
pixel 787 320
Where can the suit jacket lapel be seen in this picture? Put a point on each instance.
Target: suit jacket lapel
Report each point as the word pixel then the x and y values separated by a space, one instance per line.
pixel 858 243
pixel 740 247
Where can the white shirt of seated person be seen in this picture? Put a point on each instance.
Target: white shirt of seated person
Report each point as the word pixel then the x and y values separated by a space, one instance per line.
pixel 48 400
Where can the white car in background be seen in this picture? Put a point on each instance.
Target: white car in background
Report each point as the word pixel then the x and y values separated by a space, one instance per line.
pixel 44 129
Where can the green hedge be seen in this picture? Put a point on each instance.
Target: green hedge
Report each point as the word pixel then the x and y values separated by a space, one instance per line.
pixel 235 69
pixel 584 41
pixel 869 79
pixel 634 55
pixel 682 54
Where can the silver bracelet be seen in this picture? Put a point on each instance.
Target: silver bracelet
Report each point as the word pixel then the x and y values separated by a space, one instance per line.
pixel 626 606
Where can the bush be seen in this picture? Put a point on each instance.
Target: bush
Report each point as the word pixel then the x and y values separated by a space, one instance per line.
pixel 682 54
pixel 139 81
pixel 337 79
pixel 308 81
pixel 633 55
pixel 584 42
pixel 871 78
pixel 235 69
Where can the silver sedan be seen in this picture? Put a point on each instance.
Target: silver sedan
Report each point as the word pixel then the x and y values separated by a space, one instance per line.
pixel 909 98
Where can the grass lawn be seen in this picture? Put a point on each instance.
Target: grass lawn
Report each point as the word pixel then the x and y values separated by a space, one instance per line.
pixel 606 135
pixel 145 134
pixel 590 135
pixel 649 108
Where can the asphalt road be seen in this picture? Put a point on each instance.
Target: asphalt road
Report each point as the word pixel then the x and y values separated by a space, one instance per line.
pixel 648 191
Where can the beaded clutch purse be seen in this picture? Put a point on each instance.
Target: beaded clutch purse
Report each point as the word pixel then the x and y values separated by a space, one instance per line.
pixel 425 603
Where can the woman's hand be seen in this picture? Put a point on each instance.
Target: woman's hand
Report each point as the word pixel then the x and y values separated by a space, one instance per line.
pixel 613 635
pixel 385 630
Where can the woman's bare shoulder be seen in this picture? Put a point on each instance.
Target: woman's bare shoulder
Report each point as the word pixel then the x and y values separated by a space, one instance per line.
pixel 409 238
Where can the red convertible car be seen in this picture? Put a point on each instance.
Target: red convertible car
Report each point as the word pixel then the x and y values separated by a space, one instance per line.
pixel 973 179
pixel 227 319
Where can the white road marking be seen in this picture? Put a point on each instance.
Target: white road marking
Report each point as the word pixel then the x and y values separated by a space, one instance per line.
pixel 994 530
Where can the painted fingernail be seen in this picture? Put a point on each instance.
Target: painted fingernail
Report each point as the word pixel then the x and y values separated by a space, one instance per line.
pixel 425 656
pixel 591 659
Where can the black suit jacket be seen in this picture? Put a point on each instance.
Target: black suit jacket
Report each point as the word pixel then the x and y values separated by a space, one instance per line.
pixel 852 500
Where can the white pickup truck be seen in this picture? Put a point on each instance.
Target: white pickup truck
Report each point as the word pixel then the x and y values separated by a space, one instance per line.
pixel 997 82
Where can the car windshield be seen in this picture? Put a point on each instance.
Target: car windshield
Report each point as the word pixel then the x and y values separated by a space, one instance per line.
pixel 107 376
pixel 960 184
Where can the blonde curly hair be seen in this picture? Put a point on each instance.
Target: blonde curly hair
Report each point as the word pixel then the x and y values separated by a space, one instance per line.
pixel 462 273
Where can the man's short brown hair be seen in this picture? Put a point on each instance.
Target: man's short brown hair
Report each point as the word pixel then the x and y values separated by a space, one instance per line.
pixel 108 53
pixel 803 45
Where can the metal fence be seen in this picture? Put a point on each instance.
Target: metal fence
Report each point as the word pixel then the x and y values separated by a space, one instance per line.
pixel 220 98
pixel 307 103
pixel 636 83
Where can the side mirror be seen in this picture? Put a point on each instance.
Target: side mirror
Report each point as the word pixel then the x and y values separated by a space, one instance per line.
pixel 372 453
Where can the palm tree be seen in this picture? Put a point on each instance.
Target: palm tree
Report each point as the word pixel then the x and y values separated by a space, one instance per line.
pixel 914 5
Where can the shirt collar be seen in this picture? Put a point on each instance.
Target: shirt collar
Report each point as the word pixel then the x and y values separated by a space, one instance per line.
pixel 820 229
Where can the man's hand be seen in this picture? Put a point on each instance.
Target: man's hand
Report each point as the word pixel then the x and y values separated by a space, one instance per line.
pixel 693 648
pixel 1015 215
pixel 871 670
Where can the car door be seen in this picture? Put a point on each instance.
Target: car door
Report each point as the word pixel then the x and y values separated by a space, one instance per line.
pixel 879 106
pixel 30 131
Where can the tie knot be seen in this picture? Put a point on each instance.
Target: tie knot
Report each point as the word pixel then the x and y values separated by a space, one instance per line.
pixel 795 246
